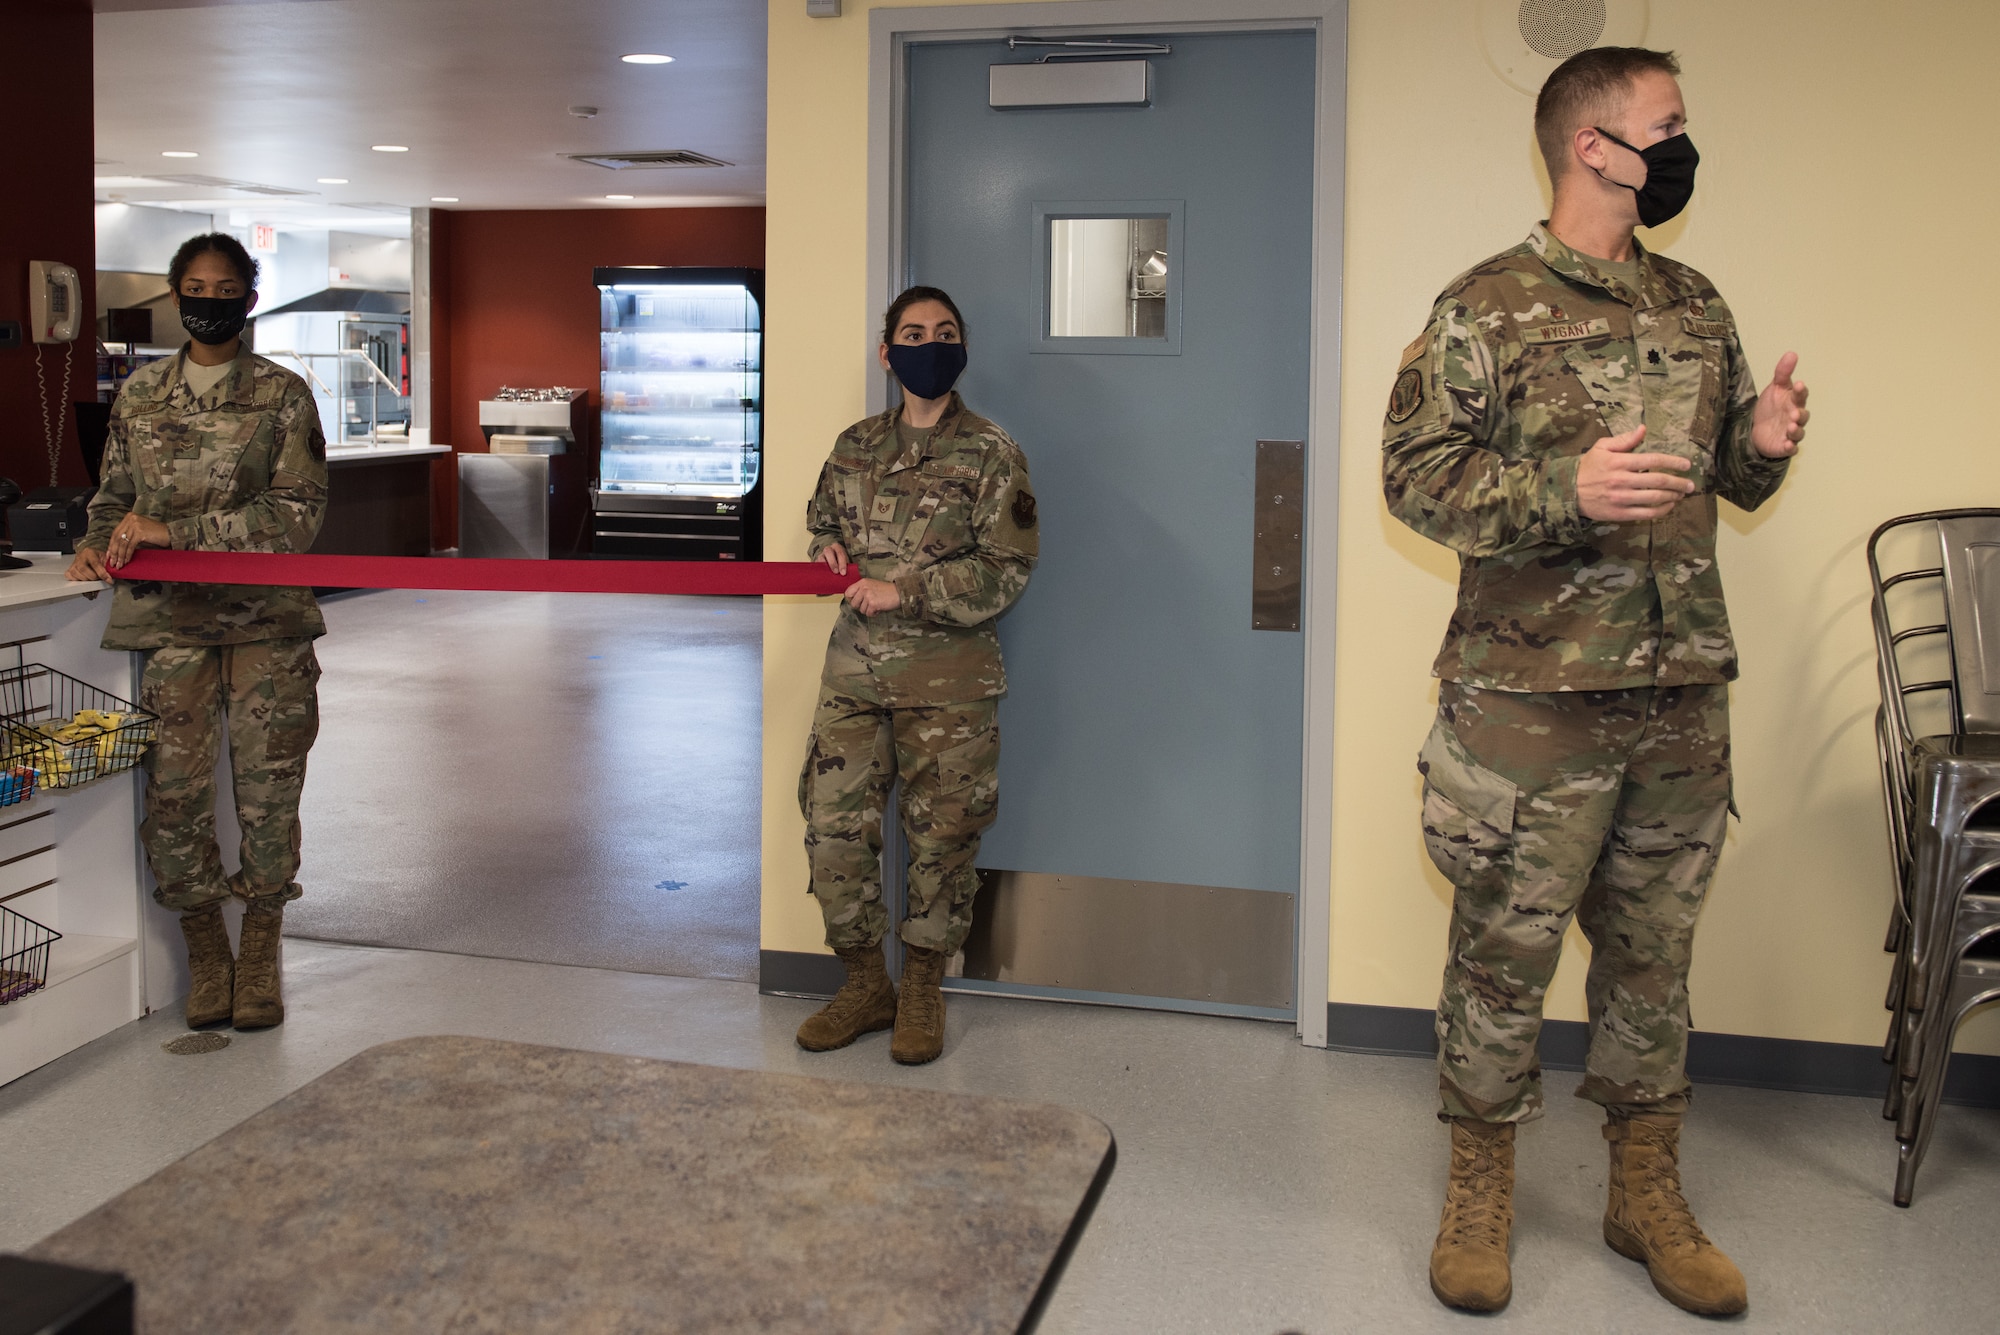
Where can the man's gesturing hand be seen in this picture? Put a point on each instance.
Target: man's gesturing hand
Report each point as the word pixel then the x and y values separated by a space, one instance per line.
pixel 1778 423
pixel 1615 485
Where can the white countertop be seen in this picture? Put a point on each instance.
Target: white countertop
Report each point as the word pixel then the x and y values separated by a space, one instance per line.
pixel 43 582
pixel 367 454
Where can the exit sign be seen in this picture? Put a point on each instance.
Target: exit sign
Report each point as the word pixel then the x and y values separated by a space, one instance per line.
pixel 264 238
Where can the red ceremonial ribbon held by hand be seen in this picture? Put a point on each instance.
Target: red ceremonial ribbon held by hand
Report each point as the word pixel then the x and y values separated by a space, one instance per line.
pixel 724 578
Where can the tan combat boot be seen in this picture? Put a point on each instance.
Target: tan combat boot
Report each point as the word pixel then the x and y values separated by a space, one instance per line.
pixel 919 1034
pixel 1469 1263
pixel 210 999
pixel 259 1002
pixel 866 1002
pixel 1648 1219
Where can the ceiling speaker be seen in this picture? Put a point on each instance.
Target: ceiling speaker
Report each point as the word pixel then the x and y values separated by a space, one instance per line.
pixel 1525 40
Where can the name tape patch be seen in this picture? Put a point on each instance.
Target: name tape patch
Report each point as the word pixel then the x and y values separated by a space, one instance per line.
pixel 1566 332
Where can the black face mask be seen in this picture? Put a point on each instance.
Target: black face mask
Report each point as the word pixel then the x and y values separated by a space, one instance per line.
pixel 214 320
pixel 927 370
pixel 1669 184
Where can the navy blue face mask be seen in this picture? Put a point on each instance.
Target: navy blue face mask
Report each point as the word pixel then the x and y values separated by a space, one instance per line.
pixel 927 370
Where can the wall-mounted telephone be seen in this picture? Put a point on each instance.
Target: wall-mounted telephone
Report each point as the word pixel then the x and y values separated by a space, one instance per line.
pixel 55 301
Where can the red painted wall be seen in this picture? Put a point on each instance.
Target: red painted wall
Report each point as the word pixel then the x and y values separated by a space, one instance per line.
pixel 515 304
pixel 45 159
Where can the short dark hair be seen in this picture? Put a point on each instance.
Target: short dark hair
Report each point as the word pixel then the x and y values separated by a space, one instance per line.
pixel 221 243
pixel 1588 89
pixel 911 296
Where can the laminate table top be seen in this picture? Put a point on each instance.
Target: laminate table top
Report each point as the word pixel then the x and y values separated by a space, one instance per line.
pixel 468 1185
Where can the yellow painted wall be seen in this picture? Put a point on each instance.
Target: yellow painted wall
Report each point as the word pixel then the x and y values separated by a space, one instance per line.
pixel 1843 206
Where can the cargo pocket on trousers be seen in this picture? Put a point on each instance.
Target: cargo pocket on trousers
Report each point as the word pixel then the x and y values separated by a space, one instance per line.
pixel 806 775
pixel 1468 809
pixel 969 762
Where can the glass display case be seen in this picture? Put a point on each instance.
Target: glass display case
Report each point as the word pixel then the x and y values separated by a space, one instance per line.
pixel 680 440
pixel 357 362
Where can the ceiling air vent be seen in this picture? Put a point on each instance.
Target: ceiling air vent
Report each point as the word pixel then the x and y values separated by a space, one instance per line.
pixel 220 183
pixel 658 157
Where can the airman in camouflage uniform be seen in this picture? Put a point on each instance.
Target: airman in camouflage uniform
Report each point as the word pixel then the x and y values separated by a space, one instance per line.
pixel 948 518
pixel 241 467
pixel 1616 633
pixel 1566 424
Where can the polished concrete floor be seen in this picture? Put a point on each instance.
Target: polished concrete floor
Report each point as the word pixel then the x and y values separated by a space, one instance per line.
pixel 567 778
pixel 1261 1186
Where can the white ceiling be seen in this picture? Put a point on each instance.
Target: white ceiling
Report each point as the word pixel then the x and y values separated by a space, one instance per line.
pixel 282 92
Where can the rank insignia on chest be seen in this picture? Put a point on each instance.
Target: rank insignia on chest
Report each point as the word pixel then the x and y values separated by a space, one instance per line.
pixel 1565 331
pixel 885 509
pixel 1407 396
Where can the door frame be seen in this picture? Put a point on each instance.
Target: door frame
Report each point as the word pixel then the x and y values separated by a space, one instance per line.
pixel 890 33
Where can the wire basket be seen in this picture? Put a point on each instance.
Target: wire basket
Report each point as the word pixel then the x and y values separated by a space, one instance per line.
pixel 24 955
pixel 59 732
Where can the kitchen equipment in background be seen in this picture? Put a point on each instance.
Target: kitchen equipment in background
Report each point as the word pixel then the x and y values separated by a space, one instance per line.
pixel 353 347
pixel 680 457
pixel 526 498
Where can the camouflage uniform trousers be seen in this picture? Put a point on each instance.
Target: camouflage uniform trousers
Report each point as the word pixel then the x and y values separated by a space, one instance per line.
pixel 946 757
pixel 267 690
pixel 1604 806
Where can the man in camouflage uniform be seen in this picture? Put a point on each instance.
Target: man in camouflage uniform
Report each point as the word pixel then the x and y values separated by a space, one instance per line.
pixel 1579 766
pixel 944 517
pixel 239 466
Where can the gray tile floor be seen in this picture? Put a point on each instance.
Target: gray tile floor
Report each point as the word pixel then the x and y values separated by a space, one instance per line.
pixel 566 778
pixel 1261 1186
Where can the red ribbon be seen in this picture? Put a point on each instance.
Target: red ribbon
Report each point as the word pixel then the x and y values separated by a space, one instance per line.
pixel 432 572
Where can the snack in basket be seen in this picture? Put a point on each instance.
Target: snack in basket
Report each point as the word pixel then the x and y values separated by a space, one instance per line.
pixel 68 752
pixel 17 784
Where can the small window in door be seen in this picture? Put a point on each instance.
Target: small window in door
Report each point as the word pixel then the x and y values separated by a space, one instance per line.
pixel 1108 277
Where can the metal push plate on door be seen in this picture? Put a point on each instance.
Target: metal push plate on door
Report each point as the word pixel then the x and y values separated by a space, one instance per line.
pixel 1278 549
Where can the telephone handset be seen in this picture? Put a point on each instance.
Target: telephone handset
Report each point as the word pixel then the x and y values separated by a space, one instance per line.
pixel 55 301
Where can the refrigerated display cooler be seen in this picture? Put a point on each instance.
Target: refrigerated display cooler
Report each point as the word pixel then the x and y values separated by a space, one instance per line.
pixel 680 445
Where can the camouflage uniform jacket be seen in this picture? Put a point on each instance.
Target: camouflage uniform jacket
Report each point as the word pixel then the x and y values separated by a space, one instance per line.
pixel 1531 358
pixel 950 521
pixel 241 468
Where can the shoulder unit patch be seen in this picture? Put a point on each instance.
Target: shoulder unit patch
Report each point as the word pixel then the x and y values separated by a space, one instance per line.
pixel 1407 396
pixel 1024 510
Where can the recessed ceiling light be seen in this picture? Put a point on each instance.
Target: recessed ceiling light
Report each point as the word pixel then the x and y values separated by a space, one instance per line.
pixel 179 153
pixel 333 180
pixel 618 196
pixel 646 58
pixel 444 199
pixel 390 148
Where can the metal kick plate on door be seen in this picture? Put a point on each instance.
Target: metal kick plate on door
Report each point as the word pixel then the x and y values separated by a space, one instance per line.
pixel 1205 945
pixel 1277 552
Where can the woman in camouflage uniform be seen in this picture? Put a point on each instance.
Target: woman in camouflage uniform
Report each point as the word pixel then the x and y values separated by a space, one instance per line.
pixel 929 505
pixel 217 449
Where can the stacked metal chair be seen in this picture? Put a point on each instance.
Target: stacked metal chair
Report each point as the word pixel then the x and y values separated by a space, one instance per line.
pixel 1941 793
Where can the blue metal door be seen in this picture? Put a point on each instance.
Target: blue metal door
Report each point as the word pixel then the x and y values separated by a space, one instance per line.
pixel 1151 768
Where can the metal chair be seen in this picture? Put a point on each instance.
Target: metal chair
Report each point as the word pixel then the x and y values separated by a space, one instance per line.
pixel 1944 836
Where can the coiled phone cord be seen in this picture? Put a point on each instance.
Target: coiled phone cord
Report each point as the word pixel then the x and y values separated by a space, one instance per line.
pixel 52 434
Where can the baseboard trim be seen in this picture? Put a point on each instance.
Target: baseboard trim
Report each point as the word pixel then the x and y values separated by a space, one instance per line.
pixel 1798 1065
pixel 799 973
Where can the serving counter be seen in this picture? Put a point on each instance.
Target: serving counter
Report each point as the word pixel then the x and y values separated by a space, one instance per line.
pixel 69 859
pixel 378 500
